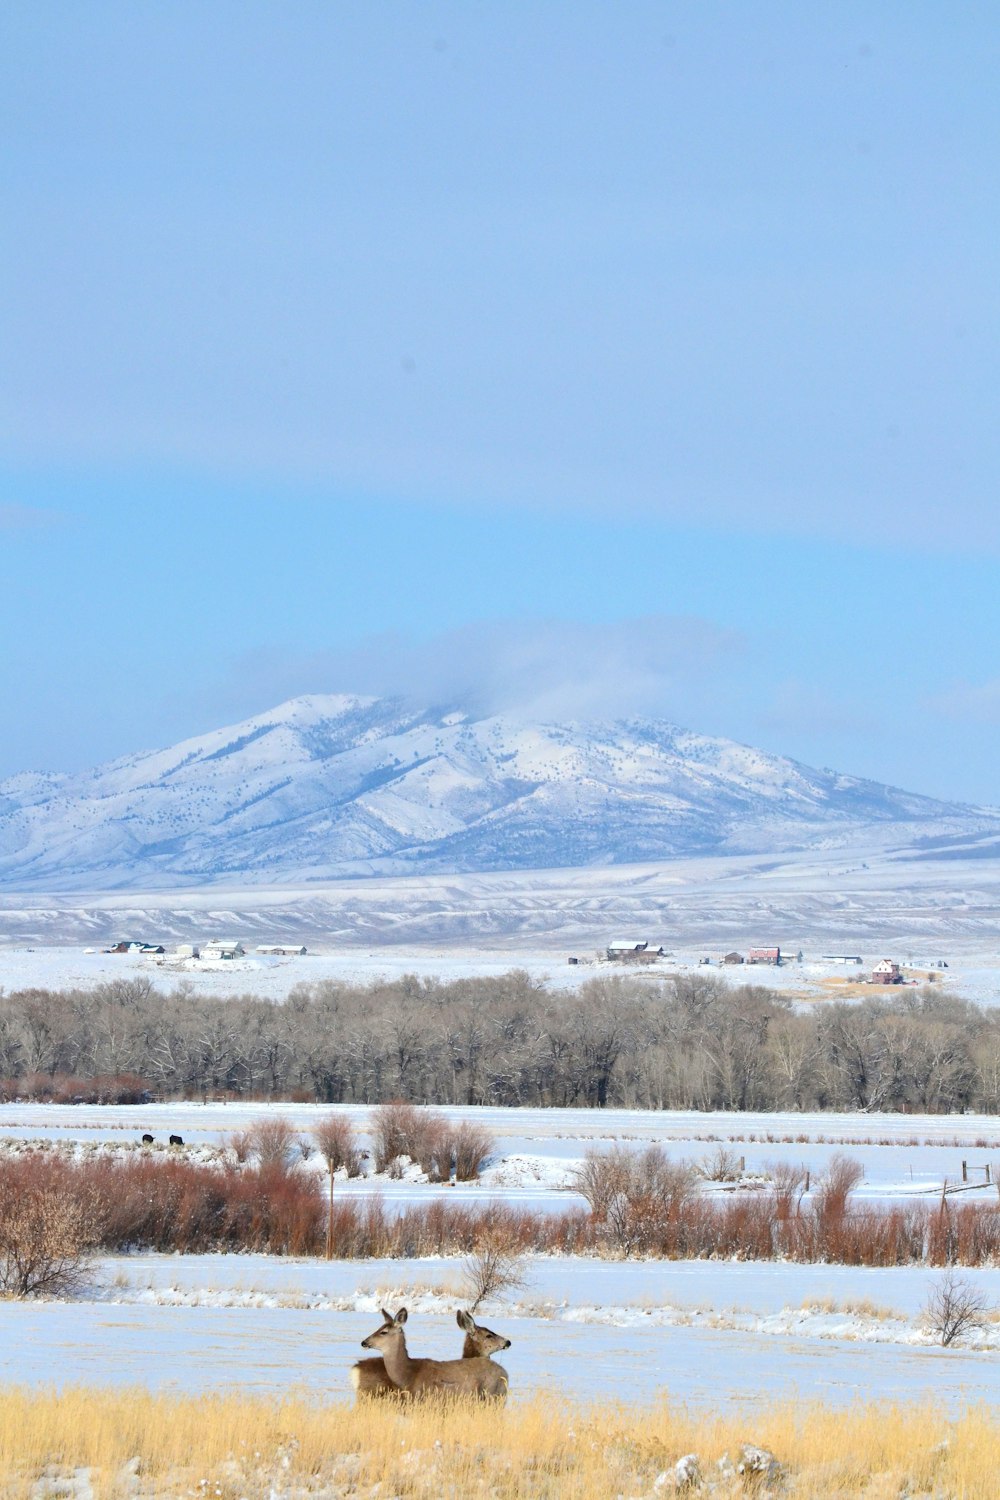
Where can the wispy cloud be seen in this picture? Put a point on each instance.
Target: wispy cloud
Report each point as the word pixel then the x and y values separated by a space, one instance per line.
pixel 667 665
pixel 796 707
pixel 15 517
pixel 969 701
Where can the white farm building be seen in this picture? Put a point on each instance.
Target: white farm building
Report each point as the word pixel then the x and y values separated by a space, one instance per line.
pixel 223 948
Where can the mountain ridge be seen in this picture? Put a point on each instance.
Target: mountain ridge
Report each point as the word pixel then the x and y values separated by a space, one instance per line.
pixel 331 786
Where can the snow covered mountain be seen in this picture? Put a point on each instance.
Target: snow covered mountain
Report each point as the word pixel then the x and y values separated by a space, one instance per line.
pixel 334 786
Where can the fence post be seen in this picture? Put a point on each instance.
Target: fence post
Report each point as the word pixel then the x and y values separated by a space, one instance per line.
pixel 965 1172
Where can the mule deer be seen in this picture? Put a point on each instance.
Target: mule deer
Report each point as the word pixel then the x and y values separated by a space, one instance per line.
pixel 473 1375
pixel 369 1378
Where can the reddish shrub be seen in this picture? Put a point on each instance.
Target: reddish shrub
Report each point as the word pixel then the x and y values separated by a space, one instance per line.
pixel 338 1145
pixel 469 1146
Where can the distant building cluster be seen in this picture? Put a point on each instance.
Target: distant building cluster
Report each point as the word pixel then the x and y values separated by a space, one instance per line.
pixel 639 951
pixel 213 949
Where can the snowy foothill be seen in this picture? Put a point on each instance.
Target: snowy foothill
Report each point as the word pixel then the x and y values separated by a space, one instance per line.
pixel 861 900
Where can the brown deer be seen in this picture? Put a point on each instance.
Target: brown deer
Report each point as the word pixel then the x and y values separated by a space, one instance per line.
pixel 369 1378
pixel 474 1374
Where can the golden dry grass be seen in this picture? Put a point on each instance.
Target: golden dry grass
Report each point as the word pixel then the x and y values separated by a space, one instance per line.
pixel 229 1446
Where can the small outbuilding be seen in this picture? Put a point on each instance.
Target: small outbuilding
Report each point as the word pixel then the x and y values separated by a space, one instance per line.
pixel 733 958
pixel 282 950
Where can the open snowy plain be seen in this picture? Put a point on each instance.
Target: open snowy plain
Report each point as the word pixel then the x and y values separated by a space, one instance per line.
pixel 874 903
pixel 712 1334
pixel 973 970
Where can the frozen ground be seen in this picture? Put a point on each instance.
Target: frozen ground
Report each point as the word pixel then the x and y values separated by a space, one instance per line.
pixel 974 975
pixel 904 1157
pixel 710 1335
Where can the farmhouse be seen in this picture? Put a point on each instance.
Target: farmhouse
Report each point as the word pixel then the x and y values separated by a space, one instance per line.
pixel 629 951
pixel 765 956
pixel 886 972
pixel 282 950
pixel 129 946
pixel 223 948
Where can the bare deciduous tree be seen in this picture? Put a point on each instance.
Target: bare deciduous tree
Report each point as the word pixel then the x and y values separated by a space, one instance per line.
pixel 955 1307
pixel 495 1268
pixel 46 1239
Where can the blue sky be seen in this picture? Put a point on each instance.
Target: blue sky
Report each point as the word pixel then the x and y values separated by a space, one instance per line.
pixel 633 356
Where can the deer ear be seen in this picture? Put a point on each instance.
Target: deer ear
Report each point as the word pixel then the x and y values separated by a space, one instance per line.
pixel 464 1320
pixel 386 1316
pixel 402 1315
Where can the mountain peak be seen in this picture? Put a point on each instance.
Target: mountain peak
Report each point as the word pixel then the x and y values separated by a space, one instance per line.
pixel 330 785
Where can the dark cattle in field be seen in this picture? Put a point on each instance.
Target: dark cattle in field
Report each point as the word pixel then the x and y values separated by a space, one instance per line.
pixel 176 1140
pixel 147 1140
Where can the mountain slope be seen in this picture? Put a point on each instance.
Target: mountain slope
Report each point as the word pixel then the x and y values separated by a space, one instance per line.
pixel 322 787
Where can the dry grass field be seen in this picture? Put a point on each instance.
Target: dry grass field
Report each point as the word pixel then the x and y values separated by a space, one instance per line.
pixel 84 1442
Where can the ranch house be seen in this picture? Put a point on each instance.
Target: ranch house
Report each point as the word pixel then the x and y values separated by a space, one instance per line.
pixel 886 972
pixel 629 951
pixel 223 948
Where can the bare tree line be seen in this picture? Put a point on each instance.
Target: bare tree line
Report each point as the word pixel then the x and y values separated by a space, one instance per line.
pixel 682 1042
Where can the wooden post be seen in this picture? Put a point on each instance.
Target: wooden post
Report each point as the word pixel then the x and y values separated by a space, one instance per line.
pixel 807 1180
pixel 965 1172
pixel 743 1165
pixel 329 1221
pixel 987 1171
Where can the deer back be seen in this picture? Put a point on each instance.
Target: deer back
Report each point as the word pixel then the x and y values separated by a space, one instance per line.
pixel 460 1377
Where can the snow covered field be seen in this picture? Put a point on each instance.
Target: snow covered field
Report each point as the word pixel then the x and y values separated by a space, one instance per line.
pixel 974 975
pixel 905 1157
pixel 710 1333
